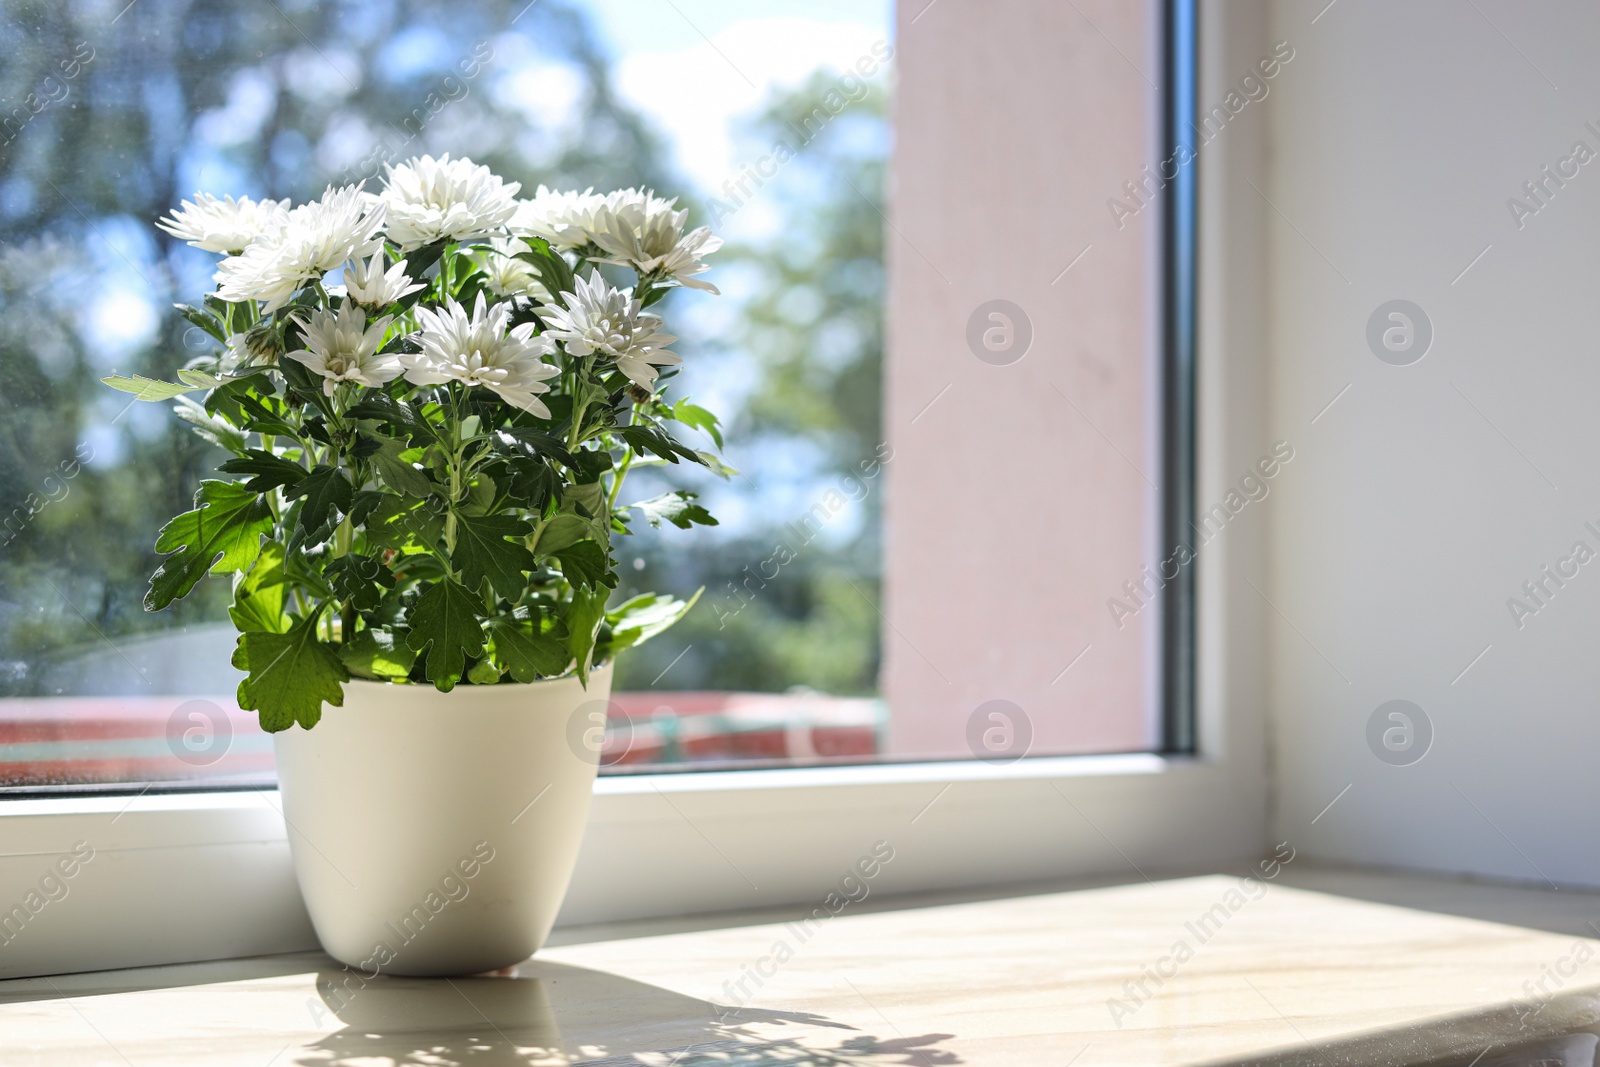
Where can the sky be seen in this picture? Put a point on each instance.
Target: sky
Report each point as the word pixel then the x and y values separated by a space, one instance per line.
pixel 696 68
pixel 697 65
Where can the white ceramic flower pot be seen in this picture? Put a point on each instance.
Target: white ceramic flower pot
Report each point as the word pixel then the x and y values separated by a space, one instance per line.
pixel 435 833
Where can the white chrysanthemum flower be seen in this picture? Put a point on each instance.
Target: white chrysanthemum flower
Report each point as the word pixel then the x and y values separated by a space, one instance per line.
pixel 632 218
pixel 343 347
pixel 504 274
pixel 682 260
pixel 640 230
pixel 479 351
pixel 602 319
pixel 369 282
pixel 566 220
pixel 445 199
pixel 225 225
pixel 314 239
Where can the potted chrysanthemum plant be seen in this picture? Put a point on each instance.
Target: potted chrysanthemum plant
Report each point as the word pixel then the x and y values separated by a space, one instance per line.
pixel 418 518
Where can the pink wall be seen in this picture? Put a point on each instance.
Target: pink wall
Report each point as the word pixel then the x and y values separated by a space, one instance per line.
pixel 1012 517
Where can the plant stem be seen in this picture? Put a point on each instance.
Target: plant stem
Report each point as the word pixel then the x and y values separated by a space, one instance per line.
pixel 616 481
pixel 578 409
pixel 450 515
pixel 454 463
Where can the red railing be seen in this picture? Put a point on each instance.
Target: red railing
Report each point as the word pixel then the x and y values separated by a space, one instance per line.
pixel 105 740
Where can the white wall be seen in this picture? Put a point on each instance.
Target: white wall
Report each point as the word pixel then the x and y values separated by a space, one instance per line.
pixel 1427 494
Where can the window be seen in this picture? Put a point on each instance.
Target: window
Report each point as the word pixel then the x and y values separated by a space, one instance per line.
pixel 876 591
pixel 211 868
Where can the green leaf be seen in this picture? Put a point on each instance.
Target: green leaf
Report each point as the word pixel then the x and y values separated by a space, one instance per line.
pixel 205 320
pixel 426 526
pixel 217 306
pixel 198 378
pixel 586 502
pixel 364 503
pixel 397 522
pixel 383 408
pixel 719 468
pixel 482 551
pixel 533 482
pixel 304 575
pixel 270 471
pixel 228 399
pixel 222 534
pixel 587 499
pixel 326 489
pixel 291 675
pixel 590 463
pixel 144 388
pixel 536 444
pixel 399 473
pixel 562 530
pixel 303 539
pixel 315 427
pixel 422 567
pixel 256 415
pixel 652 292
pixel 585 563
pixel 587 612
pixel 551 267
pixel 584 515
pixel 648 440
pixel 678 508
pixel 444 621
pixel 638 620
pixel 698 418
pixel 304 387
pixel 362 580
pixel 484 672
pixel 524 651
pixel 377 654
pixel 258 596
pixel 480 495
pixel 214 428
pixel 419 260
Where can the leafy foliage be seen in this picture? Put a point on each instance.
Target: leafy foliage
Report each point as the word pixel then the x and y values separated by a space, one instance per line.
pixel 127 143
pixel 432 531
pixel 116 152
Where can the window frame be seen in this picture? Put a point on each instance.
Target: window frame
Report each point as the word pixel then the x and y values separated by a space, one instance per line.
pixel 205 875
pixel 1178 407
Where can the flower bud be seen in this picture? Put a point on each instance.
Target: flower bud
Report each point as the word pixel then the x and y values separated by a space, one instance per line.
pixel 265 342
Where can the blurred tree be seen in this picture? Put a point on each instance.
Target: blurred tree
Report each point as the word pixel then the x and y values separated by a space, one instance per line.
pixel 811 320
pixel 106 126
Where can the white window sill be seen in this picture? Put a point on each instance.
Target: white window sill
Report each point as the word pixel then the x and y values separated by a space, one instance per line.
pixel 1364 981
pixel 189 876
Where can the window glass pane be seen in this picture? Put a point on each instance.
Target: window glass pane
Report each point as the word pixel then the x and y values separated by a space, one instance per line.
pixel 772 123
pixel 111 119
